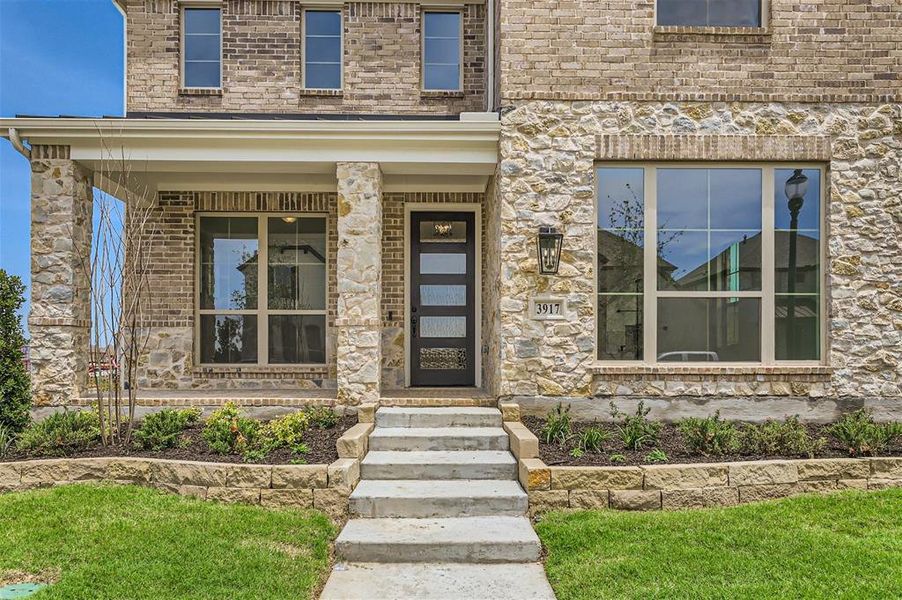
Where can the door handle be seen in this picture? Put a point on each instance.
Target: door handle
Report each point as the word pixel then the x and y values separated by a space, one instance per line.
pixel 413 326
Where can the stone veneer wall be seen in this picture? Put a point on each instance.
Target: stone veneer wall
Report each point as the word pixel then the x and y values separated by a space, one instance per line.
pixel 699 485
pixel 546 177
pixel 262 60
pixel 324 487
pixel 60 318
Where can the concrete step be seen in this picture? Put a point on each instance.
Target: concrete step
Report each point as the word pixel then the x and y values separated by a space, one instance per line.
pixel 467 540
pixel 473 464
pixel 438 417
pixel 429 499
pixel 425 581
pixel 438 438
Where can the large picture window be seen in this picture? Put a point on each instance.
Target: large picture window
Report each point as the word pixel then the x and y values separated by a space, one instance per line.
pixel 702 263
pixel 201 48
pixel 277 316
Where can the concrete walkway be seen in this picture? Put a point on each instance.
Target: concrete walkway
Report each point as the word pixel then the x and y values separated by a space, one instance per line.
pixel 438 513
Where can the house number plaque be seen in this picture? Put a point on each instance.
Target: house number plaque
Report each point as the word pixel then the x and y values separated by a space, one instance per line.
pixel 548 308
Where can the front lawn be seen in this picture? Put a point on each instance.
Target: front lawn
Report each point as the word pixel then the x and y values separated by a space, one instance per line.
pixel 126 542
pixel 846 545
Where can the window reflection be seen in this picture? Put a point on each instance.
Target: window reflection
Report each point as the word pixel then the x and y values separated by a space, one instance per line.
pixel 228 260
pixel 228 339
pixel 711 13
pixel 297 263
pixel 709 329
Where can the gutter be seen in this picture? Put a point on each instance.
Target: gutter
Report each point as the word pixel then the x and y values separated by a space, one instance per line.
pixel 16 141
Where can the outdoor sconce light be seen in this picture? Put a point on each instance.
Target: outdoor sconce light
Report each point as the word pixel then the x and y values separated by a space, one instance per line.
pixel 549 245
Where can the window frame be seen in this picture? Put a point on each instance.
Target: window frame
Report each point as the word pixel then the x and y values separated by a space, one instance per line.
pixel 262 312
pixel 651 294
pixel 341 41
pixel 763 18
pixel 460 58
pixel 183 48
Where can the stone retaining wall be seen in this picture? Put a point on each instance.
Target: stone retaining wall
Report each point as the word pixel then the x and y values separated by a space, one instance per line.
pixel 698 485
pixel 324 487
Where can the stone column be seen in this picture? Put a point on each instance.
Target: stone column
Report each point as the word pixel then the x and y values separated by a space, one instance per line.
pixel 359 268
pixel 60 319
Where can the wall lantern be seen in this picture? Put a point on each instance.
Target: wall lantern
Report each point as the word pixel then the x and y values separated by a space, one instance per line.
pixel 549 245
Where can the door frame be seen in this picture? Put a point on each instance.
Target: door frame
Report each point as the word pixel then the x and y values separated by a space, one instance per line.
pixel 471 207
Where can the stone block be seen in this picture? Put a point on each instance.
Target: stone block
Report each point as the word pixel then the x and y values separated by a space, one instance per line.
pixel 834 468
pixel 769 491
pixel 131 470
pixel 884 484
pixel 636 499
pixel 852 484
pixel 192 491
pixel 680 477
pixel 366 412
pixel 89 469
pixel 44 473
pixel 332 502
pixel 534 474
pixel 597 478
pixel 524 444
pixel 544 500
pixel 190 473
pixel 510 412
pixel 343 474
pixel 354 443
pixel 763 472
pixel 286 498
pixel 699 497
pixel 299 476
pixel 886 468
pixel 249 476
pixel 589 499
pixel 10 477
pixel 230 495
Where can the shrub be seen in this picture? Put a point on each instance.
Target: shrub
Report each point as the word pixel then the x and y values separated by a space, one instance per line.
pixel 15 388
pixel 7 441
pixel 617 458
pixel 709 436
pixel 636 430
pixel 60 433
pixel 557 426
pixel 227 431
pixel 591 439
pixel 163 430
pixel 656 456
pixel 782 438
pixel 862 436
pixel 321 417
pixel 288 432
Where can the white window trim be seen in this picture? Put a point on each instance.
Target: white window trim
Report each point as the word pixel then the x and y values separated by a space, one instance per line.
pixel 262 312
pixel 341 67
pixel 651 294
pixel 764 19
pixel 460 58
pixel 183 49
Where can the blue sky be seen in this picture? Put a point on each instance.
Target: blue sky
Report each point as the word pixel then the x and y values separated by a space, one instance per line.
pixel 57 57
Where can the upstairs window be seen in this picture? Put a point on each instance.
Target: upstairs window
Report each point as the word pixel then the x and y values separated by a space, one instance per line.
pixel 710 13
pixel 322 49
pixel 442 51
pixel 202 53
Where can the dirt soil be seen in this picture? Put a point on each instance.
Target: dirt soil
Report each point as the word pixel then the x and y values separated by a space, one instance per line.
pixel 320 441
pixel 670 441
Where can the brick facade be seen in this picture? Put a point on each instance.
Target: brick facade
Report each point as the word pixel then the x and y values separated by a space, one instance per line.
pixel 262 61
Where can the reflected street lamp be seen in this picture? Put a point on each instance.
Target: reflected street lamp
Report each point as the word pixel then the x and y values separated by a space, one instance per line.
pixel 795 189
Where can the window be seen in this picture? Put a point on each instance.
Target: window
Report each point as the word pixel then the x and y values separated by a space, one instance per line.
pixel 442 51
pixel 710 13
pixel 246 317
pixel 201 64
pixel 322 49
pixel 709 263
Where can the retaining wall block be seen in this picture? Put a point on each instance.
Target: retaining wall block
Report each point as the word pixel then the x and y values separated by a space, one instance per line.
pixel 598 478
pixel 674 477
pixel 299 476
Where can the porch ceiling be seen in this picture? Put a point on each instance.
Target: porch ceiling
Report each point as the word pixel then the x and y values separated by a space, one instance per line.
pixel 275 155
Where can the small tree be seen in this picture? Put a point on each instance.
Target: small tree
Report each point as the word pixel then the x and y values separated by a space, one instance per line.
pixel 15 386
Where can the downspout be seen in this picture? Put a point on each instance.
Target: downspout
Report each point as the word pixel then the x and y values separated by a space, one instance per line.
pixel 490 59
pixel 17 143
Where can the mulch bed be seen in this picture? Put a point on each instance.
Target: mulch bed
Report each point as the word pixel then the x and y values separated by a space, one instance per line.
pixel 671 442
pixel 320 441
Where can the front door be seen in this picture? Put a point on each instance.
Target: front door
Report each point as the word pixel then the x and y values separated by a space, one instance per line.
pixel 442 299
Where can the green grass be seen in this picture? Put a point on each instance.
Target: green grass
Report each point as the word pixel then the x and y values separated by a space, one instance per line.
pixel 133 543
pixel 846 545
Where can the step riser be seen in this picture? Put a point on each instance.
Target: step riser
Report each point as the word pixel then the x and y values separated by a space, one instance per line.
pixel 424 508
pixel 437 420
pixel 476 552
pixel 443 443
pixel 439 471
